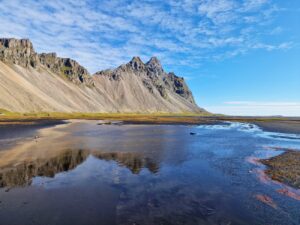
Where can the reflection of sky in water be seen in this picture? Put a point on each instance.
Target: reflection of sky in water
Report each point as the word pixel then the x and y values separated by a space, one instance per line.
pixel 201 179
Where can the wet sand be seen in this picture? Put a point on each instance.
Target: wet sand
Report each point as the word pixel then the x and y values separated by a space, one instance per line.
pixel 13 131
pixel 287 126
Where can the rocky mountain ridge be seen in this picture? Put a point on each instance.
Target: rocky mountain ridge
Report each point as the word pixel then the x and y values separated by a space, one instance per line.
pixel 132 87
pixel 21 52
pixel 153 77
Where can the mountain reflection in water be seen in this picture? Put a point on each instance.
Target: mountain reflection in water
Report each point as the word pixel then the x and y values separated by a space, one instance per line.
pixel 22 174
pixel 82 173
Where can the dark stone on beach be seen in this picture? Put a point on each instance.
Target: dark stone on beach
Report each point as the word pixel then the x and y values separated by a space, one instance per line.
pixel 105 123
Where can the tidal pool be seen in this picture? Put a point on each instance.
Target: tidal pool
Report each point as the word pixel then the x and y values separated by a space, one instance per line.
pixel 85 173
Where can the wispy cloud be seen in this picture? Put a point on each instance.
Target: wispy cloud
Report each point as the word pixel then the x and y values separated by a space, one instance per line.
pixel 269 47
pixel 101 34
pixel 255 108
pixel 254 4
pixel 258 104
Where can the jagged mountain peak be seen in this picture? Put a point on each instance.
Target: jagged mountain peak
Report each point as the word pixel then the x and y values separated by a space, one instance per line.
pixel 132 87
pixel 136 63
pixel 155 66
pixel 154 61
pixel 153 77
pixel 136 59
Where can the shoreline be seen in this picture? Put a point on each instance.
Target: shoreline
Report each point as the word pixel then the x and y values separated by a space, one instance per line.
pixel 286 126
pixel 281 171
pixel 284 168
pixel 272 124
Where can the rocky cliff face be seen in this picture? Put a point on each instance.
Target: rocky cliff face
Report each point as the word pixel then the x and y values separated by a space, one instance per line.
pixel 153 77
pixel 67 67
pixel 21 52
pixel 36 84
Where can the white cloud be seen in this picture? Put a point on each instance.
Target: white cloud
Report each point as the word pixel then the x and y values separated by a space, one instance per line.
pixel 270 47
pixel 255 111
pixel 107 33
pixel 254 4
pixel 253 103
pixel 253 108
pixel 211 8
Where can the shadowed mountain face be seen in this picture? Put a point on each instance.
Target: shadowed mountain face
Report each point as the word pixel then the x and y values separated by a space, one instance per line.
pixel 45 82
pixel 23 173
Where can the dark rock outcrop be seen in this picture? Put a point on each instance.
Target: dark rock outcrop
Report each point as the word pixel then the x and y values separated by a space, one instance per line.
pixel 21 52
pixel 18 52
pixel 67 67
pixel 178 85
pixel 154 66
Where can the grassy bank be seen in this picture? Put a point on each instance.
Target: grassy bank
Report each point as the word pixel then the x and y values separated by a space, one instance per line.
pixel 129 117
pixel 168 118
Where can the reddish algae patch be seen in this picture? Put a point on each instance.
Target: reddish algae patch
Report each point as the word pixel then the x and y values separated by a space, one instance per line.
pixel 290 193
pixel 253 160
pixel 266 200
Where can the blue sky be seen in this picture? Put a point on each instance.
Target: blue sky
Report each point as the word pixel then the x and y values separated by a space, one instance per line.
pixel 240 57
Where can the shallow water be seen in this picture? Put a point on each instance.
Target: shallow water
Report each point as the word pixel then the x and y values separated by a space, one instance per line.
pixel 84 173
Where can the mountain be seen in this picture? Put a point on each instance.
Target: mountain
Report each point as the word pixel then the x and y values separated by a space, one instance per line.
pixel 32 82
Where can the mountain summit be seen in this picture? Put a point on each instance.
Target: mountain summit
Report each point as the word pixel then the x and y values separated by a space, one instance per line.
pixel 44 82
pixel 154 65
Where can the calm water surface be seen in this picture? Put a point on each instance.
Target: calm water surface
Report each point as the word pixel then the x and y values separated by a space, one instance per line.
pixel 84 173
